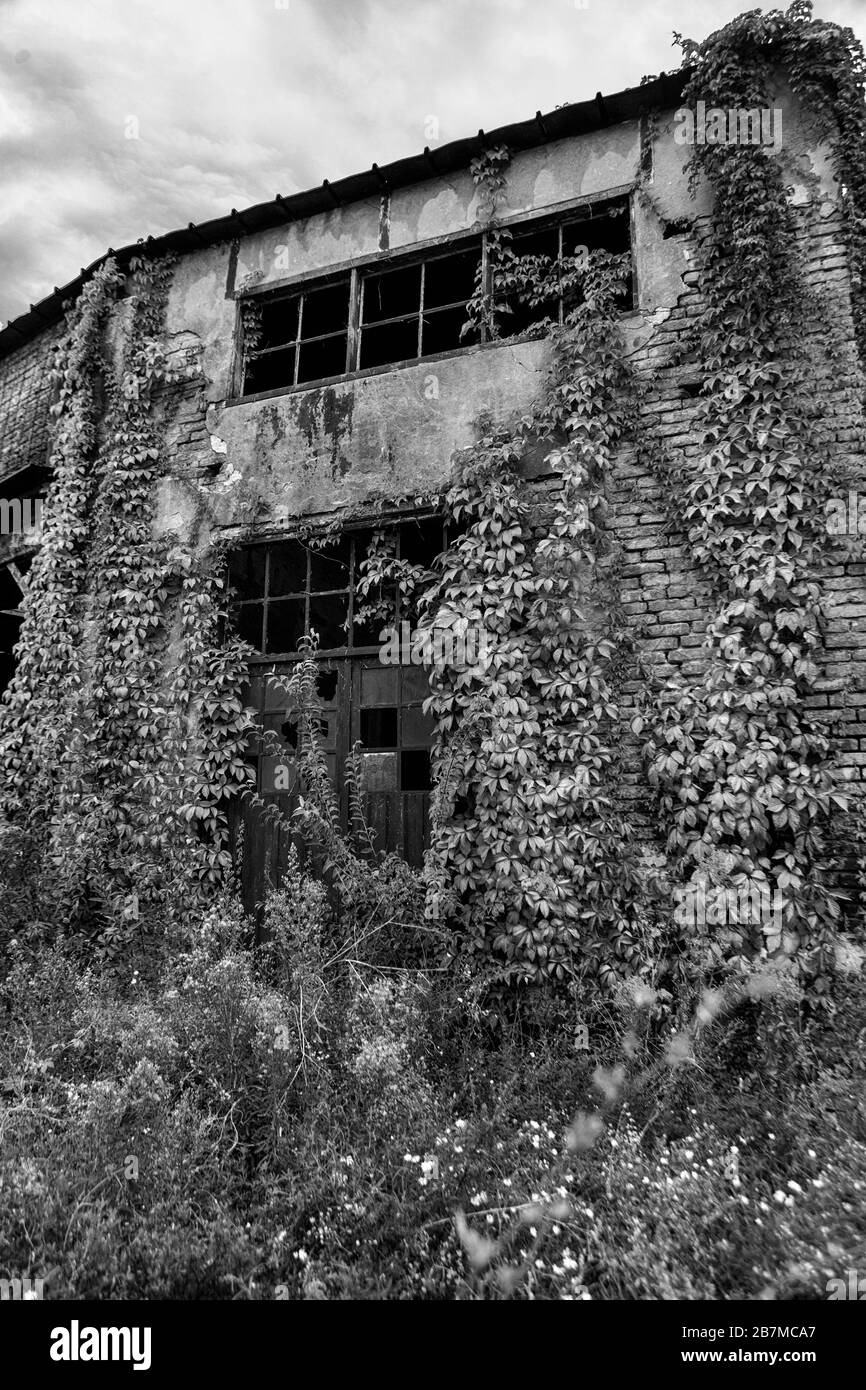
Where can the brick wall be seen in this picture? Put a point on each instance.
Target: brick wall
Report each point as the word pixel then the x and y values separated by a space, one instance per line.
pixel 24 400
pixel 666 598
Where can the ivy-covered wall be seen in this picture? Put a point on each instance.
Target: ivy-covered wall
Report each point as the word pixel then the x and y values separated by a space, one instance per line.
pixel 648 439
pixel 311 451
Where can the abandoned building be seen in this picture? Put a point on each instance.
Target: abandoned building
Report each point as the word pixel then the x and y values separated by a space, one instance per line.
pixel 351 397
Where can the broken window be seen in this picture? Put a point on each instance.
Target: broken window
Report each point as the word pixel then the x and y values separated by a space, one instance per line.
pixel 409 307
pixel 291 339
pixel 554 244
pixel 13 583
pixel 416 310
pixel 281 590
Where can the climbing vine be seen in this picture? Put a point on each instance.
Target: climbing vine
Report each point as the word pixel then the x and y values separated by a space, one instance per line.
pixel 529 854
pixel 123 737
pixel 37 745
pixel 121 775
pixel 741 766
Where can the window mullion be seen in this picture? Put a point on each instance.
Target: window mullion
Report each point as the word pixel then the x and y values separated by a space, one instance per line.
pixel 486 286
pixel 301 299
pixel 266 599
pixel 308 555
pixel 353 334
pixel 421 307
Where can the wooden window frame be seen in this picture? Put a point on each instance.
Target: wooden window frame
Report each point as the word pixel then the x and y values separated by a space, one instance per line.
pixel 358 273
pixel 350 648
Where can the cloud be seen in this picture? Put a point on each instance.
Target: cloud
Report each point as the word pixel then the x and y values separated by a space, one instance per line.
pixel 122 121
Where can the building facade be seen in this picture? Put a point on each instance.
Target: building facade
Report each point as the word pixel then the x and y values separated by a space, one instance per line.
pixel 327 384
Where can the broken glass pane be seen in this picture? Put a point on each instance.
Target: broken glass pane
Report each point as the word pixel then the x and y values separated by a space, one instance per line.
pixel 279 321
pixel 285 625
pixel 329 614
pixel 329 566
pixel 323 358
pixel 270 372
pixel 326 310
pixel 288 572
pixel 379 728
pixel 247 571
pixel 415 770
pixel 392 294
pixel 248 622
pixel 389 342
pixel 450 279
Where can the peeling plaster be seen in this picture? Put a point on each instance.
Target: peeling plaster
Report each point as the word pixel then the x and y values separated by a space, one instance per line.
pixel 393 433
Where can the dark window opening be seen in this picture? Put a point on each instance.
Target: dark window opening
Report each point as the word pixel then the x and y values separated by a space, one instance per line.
pixel 609 230
pixel 285 625
pixel 414 306
pixel 379 728
pixel 393 294
pixel 329 619
pixel 291 339
pixel 326 685
pixel 283 591
pixel 12 580
pixel 415 770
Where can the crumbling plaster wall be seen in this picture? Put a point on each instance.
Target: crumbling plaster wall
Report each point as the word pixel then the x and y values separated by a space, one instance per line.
pixel 311 452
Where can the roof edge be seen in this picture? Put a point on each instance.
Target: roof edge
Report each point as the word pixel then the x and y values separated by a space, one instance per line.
pixel 578 118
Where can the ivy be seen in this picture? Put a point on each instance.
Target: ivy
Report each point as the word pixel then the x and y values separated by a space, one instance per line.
pixel 122 776
pixel 38 747
pixel 123 735
pixel 530 858
pixel 741 767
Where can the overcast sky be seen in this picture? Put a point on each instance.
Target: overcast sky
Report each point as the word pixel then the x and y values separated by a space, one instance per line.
pixel 126 118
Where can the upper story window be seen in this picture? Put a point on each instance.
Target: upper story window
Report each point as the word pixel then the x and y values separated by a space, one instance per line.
pixel 296 338
pixel 407 307
pixel 416 310
pixel 555 241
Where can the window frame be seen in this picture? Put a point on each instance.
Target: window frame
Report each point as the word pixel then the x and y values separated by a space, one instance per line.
pixel 397 811
pixel 362 268
pixel 350 649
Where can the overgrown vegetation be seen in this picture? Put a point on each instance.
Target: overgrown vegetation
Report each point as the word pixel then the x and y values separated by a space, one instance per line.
pixel 295 1123
pixel 741 765
pixel 117 776
pixel 514 1075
